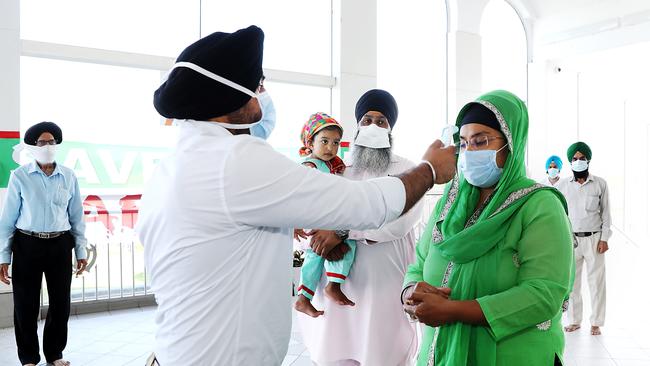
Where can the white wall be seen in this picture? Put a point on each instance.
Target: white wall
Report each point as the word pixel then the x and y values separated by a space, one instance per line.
pixel 9 107
pixel 599 98
pixel 355 58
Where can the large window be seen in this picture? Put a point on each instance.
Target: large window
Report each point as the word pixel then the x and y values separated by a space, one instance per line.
pixel 92 67
pixel 157 27
pixel 294 104
pixel 298 33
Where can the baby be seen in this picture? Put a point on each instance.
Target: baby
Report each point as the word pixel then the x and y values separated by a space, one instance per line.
pixel 321 136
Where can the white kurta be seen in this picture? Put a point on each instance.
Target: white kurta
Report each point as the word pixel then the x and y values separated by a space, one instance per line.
pixel 216 225
pixel 547 182
pixel 375 331
pixel 589 211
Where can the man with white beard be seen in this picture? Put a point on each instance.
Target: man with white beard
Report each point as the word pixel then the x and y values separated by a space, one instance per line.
pixel 375 331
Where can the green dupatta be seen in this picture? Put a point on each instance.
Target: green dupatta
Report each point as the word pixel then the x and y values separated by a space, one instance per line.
pixel 462 234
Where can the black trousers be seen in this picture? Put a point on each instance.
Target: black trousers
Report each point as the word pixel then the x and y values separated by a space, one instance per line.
pixel 33 257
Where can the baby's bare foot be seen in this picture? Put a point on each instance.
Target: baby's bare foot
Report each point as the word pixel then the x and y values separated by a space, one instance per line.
pixel 333 291
pixel 303 305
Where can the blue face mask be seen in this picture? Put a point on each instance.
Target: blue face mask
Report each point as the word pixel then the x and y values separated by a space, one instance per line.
pixel 264 128
pixel 480 167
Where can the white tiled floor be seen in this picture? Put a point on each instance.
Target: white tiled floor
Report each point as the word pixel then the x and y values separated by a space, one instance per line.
pixel 125 338
pixel 118 338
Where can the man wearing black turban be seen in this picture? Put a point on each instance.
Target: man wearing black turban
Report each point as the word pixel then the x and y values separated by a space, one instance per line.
pixel 41 221
pixel 217 217
pixel 376 112
pixel 588 200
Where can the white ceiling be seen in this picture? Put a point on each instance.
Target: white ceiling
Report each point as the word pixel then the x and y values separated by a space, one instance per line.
pixel 556 16
pixel 560 27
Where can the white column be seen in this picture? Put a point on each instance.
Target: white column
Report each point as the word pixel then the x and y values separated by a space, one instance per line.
pixel 354 58
pixel 464 71
pixel 9 107
pixel 9 65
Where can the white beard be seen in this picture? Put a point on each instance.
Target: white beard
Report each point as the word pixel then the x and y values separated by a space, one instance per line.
pixel 375 161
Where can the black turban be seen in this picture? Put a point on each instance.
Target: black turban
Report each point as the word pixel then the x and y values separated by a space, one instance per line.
pixel 478 113
pixel 237 57
pixel 34 132
pixel 379 101
pixel 578 146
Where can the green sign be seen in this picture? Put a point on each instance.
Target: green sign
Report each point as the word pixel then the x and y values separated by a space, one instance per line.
pixel 7 164
pixel 110 166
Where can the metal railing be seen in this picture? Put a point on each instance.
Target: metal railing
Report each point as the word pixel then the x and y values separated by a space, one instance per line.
pixel 116 256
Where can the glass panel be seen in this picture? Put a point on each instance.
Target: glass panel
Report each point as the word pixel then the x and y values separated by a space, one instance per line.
pixel 294 104
pixel 422 115
pixel 112 139
pixel 158 27
pixel 112 134
pixel 298 34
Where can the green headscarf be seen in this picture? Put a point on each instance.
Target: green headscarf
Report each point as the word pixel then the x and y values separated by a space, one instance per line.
pixel 462 236
pixel 578 146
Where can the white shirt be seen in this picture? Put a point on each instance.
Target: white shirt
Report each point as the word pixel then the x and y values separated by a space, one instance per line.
pixel 399 228
pixel 547 181
pixel 588 205
pixel 375 331
pixel 216 224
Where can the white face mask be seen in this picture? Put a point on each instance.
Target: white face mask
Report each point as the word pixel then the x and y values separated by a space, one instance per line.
pixel 579 165
pixel 231 84
pixel 553 172
pixel 43 154
pixel 373 136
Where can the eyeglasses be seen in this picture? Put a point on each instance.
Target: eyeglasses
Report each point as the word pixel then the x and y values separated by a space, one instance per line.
pixel 45 142
pixel 478 142
pixel 379 121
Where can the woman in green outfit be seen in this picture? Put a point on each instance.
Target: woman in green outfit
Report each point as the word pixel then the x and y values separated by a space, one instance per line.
pixel 494 264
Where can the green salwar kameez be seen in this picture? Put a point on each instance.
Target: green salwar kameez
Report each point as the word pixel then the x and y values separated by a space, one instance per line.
pixel 512 254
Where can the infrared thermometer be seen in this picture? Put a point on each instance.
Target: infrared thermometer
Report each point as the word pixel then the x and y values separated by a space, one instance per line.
pixel 448 134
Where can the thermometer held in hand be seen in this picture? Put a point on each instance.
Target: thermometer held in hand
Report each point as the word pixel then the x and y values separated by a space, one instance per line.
pixel 448 134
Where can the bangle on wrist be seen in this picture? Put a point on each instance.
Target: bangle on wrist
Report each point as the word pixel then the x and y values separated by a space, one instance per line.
pixel 433 172
pixel 408 286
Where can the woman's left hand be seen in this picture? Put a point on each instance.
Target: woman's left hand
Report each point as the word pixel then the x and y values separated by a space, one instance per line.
pixel 81 266
pixel 429 308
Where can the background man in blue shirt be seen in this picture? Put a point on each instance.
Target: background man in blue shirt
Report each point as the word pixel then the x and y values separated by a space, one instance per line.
pixel 41 222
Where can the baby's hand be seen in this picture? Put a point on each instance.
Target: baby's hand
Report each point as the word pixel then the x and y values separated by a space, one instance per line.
pixel 299 233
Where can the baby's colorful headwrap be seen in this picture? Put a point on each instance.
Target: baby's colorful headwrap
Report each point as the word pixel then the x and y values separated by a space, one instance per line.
pixel 316 123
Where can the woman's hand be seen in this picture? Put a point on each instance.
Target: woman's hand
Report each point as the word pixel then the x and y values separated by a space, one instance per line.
pixel 430 308
pixel 410 305
pixel 425 288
